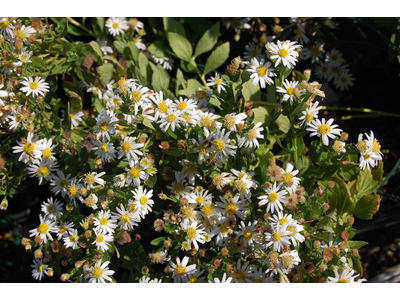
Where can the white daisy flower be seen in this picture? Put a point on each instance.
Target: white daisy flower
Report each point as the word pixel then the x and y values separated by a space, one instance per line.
pixel 90 201
pixel 162 105
pixel 42 169
pixel 288 176
pixel 189 171
pixel 64 230
pixel 185 105
pixel 194 232
pixel 368 159
pixel 128 147
pixel 6 27
pixel 208 121
pixel 233 119
pixel 102 239
pixel 120 180
pixel 47 147
pixel 251 136
pixel 223 280
pixel 23 34
pixel 46 227
pixel 233 206
pixel 38 268
pixel 310 113
pixel 202 96
pixel 36 87
pixel 139 95
pixel 105 125
pixel 221 145
pixel 134 23
pixel 324 130
pixel 261 72
pixel 60 183
pixel 126 220
pixel 17 117
pixel 373 144
pixel 105 150
pixel 274 198
pixel 288 90
pixel 278 238
pixel 345 276
pixel 142 200
pixel 91 178
pixel 301 37
pixel 280 219
pixel 171 120
pixel 315 52
pixel 75 118
pixel 104 46
pixel 248 232
pixel 72 240
pixel 260 276
pixel 180 270
pixel 221 232
pixel 251 51
pixel 135 173
pixel 284 52
pixel 334 57
pixel 289 259
pixel 335 71
pixel 99 273
pixel 104 222
pixel 202 147
pixel 241 273
pixel 295 230
pixel 323 71
pixel 339 147
pixel 31 149
pixel 116 25
pixel 25 56
pixel 52 209
pixel 73 189
pixel 344 81
pixel 217 81
pixel 236 23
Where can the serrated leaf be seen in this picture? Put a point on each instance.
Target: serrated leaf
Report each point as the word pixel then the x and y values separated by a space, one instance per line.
pixel 217 58
pixel 180 45
pixel 208 40
pixel 172 25
pixel 366 207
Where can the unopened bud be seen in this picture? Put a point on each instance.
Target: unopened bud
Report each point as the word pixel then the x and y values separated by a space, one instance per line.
pixel 167 243
pixel 29 128
pixel 38 253
pixel 78 264
pixel 88 233
pixel 336 251
pixel 216 263
pixel 267 216
pixel 325 206
pixel 307 74
pixel 211 270
pixel 38 239
pixel 224 251
pixel 202 252
pixel 350 220
pixel 249 112
pixel 65 277
pixel 248 105
pixel 344 136
pixel 323 267
pixel 110 192
pixel 4 203
pixel 331 184
pixel 343 245
pixel 317 244
pixel 354 252
pixel 309 267
pixel 344 235
pixel 64 262
pixel 50 272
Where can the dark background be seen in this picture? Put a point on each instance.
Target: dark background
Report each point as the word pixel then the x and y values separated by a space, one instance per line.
pixel 366 46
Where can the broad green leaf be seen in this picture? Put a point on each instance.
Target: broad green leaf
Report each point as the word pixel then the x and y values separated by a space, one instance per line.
pixel 357 264
pixel 341 201
pixel 356 244
pixel 283 123
pixel 180 82
pixel 172 25
pixel 251 92
pixel 259 114
pixel 121 68
pixel 160 79
pixel 106 72
pixel 192 87
pixel 37 62
pixel 97 49
pixel 302 164
pixel 133 51
pixel 98 25
pixel 367 206
pixel 148 124
pixel 158 241
pixel 208 40
pixel 158 48
pixel 120 46
pixel 143 62
pixel 151 182
pixel 217 58
pixel 180 45
pixel 366 183
pixel 174 152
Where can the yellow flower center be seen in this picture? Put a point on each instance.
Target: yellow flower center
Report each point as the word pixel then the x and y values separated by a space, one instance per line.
pixel 43 171
pixel 73 238
pixel 208 210
pixel 299 32
pixel 190 168
pixel 283 221
pixel 29 147
pixel 239 275
pixel 162 107
pixel 97 272
pixel 180 270
pixel 182 105
pixel 136 96
pixel 191 233
pixel 201 94
pixel 73 190
pixel 199 200
pixel 171 118
pixel 290 91
pixel 219 145
pixel 218 81
pixel 143 200
pixel 262 71
pixel 231 209
pixel 134 172
pixel 43 228
pixel 187 212
pixel 309 117
pixel 276 236
pixel 229 122
pixel 187 117
pixel 104 148
pixel 292 229
pixel 178 189
pixel 286 177
pixel 375 146
pixel 324 129
pixel 283 53
pixel 40 268
pixel 20 34
pixel 34 85
pixel 63 183
pixel 194 279
pixel 46 153
pixel 253 53
pixel 252 134
pixel 51 209
pixel 335 70
pixel 103 221
pixel 100 239
pixel 4 25
pixel 223 229
pixel 343 280
pixel 248 234
pixel 367 156
pixel 205 122
pixel 343 79
pixel 115 25
pixel 259 280
pixel 103 126
pixel 126 146
pixel 273 197
pixel 89 178
pixel 315 52
pixel 125 218
pixel 19 118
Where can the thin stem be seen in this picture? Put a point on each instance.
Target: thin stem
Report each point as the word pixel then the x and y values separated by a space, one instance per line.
pixel 364 110
pixel 79 25
pixel 203 79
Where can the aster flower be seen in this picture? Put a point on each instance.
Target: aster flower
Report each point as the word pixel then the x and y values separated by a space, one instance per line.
pixel 72 240
pixel 171 120
pixel 104 222
pixel 251 51
pixel 135 173
pixel 274 198
pixel 202 96
pixel 217 81
pixel 324 130
pixel 344 81
pixel 161 104
pixel 334 57
pixel 23 34
pixel 233 119
pixel 116 25
pixel 44 230
pixel 284 52
pixel 91 178
pixel 223 280
pixel 30 149
pixel 38 268
pixel 194 232
pixel 310 113
pixel 221 145
pixel 315 52
pixel 142 200
pixel 139 95
pixel 6 27
pixel 126 219
pixel 301 37
pixel 102 239
pixel 278 238
pixel 241 273
pixel 261 72
pixel 251 136
pixel 42 169
pixel 128 147
pixel 106 124
pixel 180 270
pixel 105 150
pixel 233 206
pixel 345 276
pixel 36 87
pixel 52 209
pixel 99 272
pixel 64 230
pixel 288 90
pixel 60 182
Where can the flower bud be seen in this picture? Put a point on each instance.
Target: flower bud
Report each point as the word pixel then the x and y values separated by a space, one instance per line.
pixel 325 206
pixel 323 267
pixel 317 244
pixel 307 74
pixel 309 267
pixel 344 235
pixel 331 184
pixel 38 253
pixel 350 220
pixel 344 136
pixel 65 277
pixel 354 252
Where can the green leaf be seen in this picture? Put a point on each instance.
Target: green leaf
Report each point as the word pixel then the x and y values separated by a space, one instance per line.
pixel 366 207
pixel 158 241
pixel 132 51
pixel 148 124
pixel 4 148
pixel 302 164
pixel 160 79
pixel 217 58
pixel 172 25
pixel 357 264
pixel 180 81
pixel 283 123
pixel 356 244
pixel 106 72
pixel 251 92
pixel 158 47
pixel 143 62
pixel 37 62
pixel 151 182
pixel 98 25
pixel 259 114
pixel 192 87
pixel 366 184
pixel 97 49
pixel 208 40
pixel 341 201
pixel 181 46
pixel 174 152
pixel 120 46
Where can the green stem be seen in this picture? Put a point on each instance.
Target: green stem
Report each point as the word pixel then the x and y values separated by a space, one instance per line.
pixel 79 25
pixel 202 77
